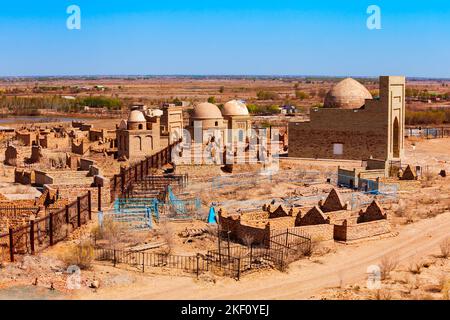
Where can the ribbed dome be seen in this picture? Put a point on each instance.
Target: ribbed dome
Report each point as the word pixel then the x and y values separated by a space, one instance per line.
pixel 136 116
pixel 235 108
pixel 206 110
pixel 347 94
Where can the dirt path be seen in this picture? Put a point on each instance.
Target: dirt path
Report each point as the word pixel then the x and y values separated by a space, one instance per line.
pixel 304 279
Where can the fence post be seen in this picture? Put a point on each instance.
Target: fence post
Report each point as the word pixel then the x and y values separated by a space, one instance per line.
pixel 11 244
pixel 114 258
pixel 79 212
pixel 143 262
pixel 99 198
pixel 51 227
pixel 287 236
pixel 32 236
pixel 251 255
pixel 239 268
pixel 198 259
pixel 122 179
pixel 67 214
pixel 89 204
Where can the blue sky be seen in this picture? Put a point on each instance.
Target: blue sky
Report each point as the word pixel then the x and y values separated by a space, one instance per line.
pixel 301 37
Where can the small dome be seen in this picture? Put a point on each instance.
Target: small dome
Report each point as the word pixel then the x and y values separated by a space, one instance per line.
pixel 235 108
pixel 136 116
pixel 206 110
pixel 347 94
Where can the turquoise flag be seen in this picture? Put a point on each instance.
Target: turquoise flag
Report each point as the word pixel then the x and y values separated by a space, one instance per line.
pixel 212 216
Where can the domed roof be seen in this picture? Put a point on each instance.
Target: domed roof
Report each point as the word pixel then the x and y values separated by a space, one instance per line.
pixel 235 108
pixel 347 94
pixel 206 110
pixel 136 116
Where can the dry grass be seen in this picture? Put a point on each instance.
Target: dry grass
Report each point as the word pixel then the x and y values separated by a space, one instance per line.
pixel 110 231
pixel 382 295
pixel 446 290
pixel 428 179
pixel 387 265
pixel 415 267
pixel 445 248
pixel 166 233
pixel 80 254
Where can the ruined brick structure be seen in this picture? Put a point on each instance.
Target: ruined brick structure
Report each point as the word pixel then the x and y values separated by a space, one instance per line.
pixel 139 136
pixel 11 155
pixel 341 224
pixel 356 128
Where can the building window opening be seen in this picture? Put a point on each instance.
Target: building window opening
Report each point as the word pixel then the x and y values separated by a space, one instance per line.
pixel 338 149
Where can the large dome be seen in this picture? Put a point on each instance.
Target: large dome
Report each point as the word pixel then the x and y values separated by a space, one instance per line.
pixel 235 108
pixel 347 94
pixel 206 110
pixel 136 116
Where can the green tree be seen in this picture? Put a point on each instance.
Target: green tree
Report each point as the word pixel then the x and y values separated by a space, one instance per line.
pixel 212 99
pixel 301 95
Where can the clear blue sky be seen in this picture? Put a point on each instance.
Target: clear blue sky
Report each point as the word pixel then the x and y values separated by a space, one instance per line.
pixel 253 37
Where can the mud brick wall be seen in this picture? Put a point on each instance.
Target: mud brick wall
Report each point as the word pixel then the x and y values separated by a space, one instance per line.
pixel 281 223
pixel 346 232
pixel 319 232
pixel 24 177
pixel 71 192
pixel 79 147
pixel 27 138
pixel 254 234
pixel 254 216
pixel 319 143
pixel 85 164
pixel 337 217
pixel 52 142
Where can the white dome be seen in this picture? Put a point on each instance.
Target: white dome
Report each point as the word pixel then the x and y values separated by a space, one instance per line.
pixel 136 116
pixel 206 110
pixel 235 108
pixel 347 94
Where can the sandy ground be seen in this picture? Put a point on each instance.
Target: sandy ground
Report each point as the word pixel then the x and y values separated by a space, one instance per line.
pixel 304 280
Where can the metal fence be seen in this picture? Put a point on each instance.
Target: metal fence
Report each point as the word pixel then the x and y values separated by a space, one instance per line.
pixel 229 260
pixel 138 172
pixel 43 232
pixel 251 179
pixel 194 264
pixel 428 132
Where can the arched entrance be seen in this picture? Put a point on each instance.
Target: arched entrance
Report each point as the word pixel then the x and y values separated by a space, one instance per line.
pixel 396 139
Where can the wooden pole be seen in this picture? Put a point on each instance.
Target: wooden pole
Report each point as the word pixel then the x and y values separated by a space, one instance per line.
pixel 99 200
pixel 32 236
pixel 89 205
pixel 11 244
pixel 239 268
pixel 198 260
pixel 79 212
pixel 67 214
pixel 51 228
pixel 123 182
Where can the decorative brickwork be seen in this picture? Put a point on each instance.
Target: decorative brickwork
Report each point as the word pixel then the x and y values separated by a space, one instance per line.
pixel 372 213
pixel 312 217
pixel 333 202
pixel 408 174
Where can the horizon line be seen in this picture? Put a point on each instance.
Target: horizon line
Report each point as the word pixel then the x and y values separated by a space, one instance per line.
pixel 119 76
